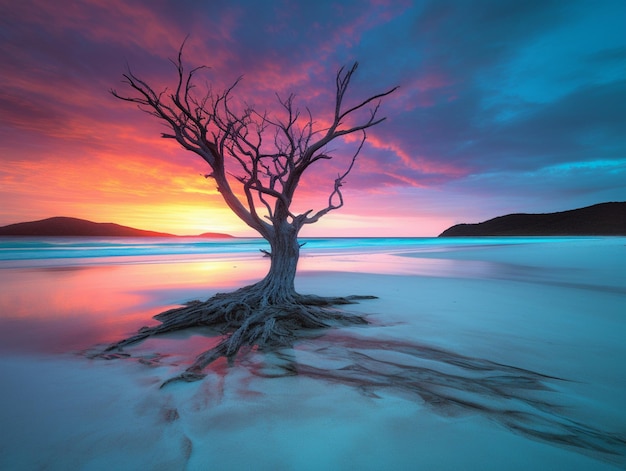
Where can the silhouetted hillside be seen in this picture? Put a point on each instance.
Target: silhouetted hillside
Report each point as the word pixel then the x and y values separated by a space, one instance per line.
pixel 599 219
pixel 73 227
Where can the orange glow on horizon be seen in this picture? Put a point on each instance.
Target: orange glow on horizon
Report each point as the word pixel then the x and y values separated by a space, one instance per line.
pixel 138 180
pixel 96 158
pixel 468 133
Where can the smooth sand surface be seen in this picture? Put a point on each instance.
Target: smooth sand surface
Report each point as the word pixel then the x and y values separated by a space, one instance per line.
pixel 552 309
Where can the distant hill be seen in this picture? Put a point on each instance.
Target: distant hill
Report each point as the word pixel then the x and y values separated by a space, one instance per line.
pixel 599 219
pixel 73 227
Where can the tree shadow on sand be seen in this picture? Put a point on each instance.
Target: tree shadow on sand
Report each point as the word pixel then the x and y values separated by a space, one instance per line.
pixel 521 400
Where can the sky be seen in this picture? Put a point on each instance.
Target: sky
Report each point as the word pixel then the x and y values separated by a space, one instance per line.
pixel 503 107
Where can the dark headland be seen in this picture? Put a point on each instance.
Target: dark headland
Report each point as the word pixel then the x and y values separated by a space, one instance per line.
pixel 73 227
pixel 604 219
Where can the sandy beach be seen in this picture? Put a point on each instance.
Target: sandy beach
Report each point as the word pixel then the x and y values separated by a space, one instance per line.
pixel 482 354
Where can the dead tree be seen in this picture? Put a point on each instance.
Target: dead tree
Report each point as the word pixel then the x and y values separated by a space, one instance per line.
pixel 256 160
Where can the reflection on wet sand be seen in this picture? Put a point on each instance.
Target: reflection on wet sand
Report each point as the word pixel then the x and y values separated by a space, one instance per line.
pixel 61 308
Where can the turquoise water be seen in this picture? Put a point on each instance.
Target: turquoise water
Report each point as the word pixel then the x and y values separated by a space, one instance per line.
pixel 50 248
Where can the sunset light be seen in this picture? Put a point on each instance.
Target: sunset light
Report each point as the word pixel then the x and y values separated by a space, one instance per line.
pixel 525 122
pixel 312 235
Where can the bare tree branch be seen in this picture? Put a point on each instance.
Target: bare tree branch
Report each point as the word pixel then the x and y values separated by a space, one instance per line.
pixel 208 125
pixel 336 193
pixel 256 159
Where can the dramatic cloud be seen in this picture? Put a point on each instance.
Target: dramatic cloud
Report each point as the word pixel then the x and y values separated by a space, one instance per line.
pixel 502 107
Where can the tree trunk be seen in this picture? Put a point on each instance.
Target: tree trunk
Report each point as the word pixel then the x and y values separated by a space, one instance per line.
pixel 278 285
pixel 268 314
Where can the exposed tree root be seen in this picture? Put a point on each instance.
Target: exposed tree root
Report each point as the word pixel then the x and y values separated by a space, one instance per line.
pixel 246 317
pixel 521 400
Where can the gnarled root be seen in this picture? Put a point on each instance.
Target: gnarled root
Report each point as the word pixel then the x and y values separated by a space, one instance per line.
pixel 247 317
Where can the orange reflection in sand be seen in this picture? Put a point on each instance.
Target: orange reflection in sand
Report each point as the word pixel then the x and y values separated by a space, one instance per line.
pixel 64 308
pixel 74 304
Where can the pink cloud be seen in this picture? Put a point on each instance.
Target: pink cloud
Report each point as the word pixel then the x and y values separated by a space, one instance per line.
pixel 136 24
pixel 416 162
pixel 426 90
